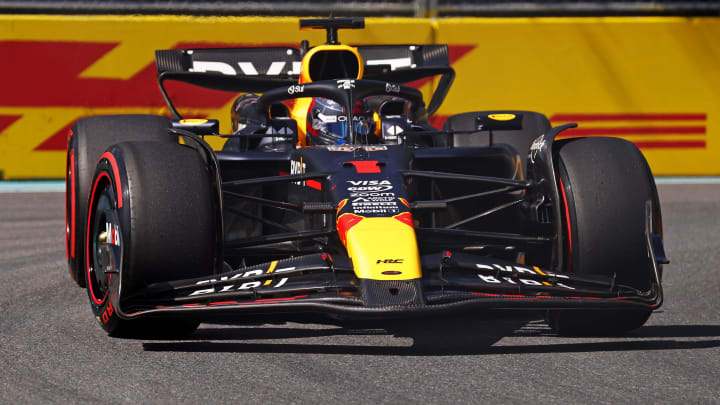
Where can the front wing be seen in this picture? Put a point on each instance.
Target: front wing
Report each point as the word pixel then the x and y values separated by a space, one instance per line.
pixel 323 284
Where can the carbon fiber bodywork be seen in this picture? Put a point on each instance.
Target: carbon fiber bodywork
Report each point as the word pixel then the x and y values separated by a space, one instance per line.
pixel 316 284
pixel 399 220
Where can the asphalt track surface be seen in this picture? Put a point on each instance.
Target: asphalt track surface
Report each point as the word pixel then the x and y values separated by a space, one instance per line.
pixel 52 351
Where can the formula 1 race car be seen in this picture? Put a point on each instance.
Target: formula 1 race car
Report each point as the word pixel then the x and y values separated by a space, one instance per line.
pixel 334 198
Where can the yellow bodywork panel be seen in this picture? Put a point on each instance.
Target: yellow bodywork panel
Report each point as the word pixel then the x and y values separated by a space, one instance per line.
pixel 300 108
pixel 306 74
pixel 383 249
pixel 299 113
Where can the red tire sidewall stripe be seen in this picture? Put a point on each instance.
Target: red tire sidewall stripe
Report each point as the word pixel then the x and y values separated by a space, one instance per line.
pixel 88 241
pixel 118 185
pixel 68 226
pixel 569 225
pixel 72 203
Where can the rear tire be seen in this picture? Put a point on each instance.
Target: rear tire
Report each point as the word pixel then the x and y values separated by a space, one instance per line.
pixel 605 184
pixel 88 139
pixel 151 220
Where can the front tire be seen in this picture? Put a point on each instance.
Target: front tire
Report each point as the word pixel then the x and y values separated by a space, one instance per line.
pixel 151 219
pixel 605 184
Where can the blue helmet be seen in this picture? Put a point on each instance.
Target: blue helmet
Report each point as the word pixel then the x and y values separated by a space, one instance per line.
pixel 327 122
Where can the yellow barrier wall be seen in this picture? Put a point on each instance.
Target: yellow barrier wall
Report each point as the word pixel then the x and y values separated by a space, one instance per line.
pixel 56 69
pixel 655 81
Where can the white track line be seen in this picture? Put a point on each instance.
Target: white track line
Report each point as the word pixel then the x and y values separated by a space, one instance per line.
pixel 32 186
pixel 687 180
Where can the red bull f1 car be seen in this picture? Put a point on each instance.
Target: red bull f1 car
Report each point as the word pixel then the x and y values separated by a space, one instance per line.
pixel 334 198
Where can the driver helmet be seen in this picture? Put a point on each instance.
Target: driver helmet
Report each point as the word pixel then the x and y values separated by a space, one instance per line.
pixel 327 122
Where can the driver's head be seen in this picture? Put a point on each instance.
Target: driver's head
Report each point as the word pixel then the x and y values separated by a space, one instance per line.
pixel 327 122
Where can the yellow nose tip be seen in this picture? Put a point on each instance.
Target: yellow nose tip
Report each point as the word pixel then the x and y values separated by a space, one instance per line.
pixel 384 249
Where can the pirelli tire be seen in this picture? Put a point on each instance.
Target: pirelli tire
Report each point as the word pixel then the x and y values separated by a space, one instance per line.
pixel 87 141
pixel 605 184
pixel 151 219
pixel 534 124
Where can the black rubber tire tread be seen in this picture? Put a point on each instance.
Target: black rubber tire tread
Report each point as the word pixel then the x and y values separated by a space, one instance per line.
pixel 91 136
pixel 172 218
pixel 167 226
pixel 534 124
pixel 607 183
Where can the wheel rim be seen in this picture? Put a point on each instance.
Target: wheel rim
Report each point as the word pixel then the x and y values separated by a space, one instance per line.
pixel 105 245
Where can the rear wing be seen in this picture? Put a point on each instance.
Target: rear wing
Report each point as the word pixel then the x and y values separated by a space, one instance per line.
pixel 264 68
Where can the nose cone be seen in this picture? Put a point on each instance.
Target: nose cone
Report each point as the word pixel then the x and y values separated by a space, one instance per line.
pixel 381 248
